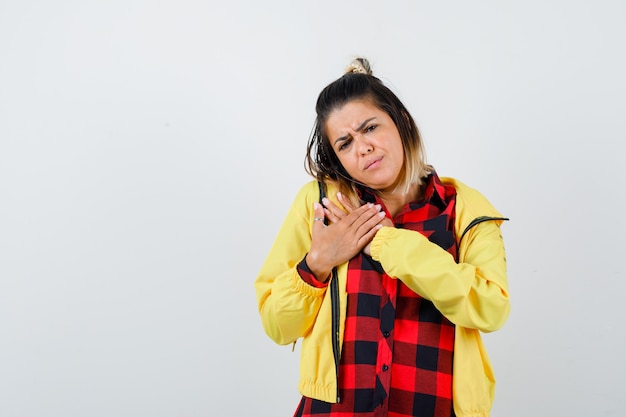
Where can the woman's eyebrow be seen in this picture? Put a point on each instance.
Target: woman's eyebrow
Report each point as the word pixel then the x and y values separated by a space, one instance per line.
pixel 358 129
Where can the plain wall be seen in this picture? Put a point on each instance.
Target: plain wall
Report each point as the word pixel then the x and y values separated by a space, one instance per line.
pixel 149 151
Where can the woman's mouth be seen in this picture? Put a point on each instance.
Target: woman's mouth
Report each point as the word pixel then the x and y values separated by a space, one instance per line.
pixel 372 164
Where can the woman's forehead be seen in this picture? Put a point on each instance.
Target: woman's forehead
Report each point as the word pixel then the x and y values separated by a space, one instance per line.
pixel 353 114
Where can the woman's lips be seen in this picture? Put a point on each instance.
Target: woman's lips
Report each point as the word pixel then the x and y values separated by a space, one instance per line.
pixel 372 164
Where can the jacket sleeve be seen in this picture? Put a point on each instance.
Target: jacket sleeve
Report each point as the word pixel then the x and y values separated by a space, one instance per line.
pixel 287 304
pixel 472 293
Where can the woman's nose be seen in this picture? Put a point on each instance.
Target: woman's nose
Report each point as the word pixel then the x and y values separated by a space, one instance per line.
pixel 364 146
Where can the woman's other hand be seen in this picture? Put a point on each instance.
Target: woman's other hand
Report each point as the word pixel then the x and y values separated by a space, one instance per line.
pixel 385 222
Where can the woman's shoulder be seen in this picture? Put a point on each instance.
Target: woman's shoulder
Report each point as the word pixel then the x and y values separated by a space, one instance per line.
pixel 470 199
pixel 307 189
pixel 307 194
pixel 311 190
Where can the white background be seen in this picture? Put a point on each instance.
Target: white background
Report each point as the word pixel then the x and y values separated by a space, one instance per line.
pixel 149 151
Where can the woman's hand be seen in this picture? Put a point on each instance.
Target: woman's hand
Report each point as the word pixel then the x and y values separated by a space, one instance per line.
pixel 336 212
pixel 349 232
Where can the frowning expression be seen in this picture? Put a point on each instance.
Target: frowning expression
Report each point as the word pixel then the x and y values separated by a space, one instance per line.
pixel 367 143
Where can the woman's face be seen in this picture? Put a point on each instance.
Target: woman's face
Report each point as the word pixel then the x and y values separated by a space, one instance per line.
pixel 367 143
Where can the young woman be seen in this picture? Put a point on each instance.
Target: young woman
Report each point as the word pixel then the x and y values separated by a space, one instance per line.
pixel 386 271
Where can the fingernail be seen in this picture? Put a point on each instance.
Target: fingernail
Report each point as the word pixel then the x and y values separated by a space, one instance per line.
pixel 378 207
pixel 339 195
pixel 382 214
pixel 316 205
pixel 325 201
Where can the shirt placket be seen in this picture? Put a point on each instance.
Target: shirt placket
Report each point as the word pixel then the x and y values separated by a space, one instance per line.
pixel 386 337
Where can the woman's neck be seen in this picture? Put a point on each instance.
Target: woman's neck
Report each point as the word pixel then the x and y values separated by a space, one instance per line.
pixel 397 199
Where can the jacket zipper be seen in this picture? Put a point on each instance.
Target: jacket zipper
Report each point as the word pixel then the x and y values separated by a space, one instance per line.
pixel 334 302
pixel 334 298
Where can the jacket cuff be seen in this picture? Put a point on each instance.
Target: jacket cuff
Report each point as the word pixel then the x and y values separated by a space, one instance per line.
pixel 308 277
pixel 379 240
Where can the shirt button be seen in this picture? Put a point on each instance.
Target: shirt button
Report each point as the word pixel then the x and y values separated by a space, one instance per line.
pixel 385 368
pixel 386 334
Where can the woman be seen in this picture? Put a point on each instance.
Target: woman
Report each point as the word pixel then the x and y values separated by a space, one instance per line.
pixel 387 272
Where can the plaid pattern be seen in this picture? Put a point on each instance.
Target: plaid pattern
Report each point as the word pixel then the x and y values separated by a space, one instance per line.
pixel 397 350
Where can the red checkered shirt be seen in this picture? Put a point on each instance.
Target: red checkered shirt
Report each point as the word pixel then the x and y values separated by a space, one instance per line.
pixel 396 358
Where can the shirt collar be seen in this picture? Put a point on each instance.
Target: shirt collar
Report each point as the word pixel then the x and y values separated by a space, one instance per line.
pixel 435 191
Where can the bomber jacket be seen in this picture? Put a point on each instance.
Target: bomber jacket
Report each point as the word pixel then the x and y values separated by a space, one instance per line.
pixel 472 294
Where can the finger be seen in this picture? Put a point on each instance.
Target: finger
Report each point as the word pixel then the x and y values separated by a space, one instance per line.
pixel 387 222
pixel 334 209
pixel 362 214
pixel 318 216
pixel 331 216
pixel 369 223
pixel 345 202
pixel 366 223
pixel 371 227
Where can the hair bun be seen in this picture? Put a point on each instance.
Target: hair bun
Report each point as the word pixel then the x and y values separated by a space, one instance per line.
pixel 359 66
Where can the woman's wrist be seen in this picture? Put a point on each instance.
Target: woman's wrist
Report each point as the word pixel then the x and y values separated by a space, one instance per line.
pixel 321 272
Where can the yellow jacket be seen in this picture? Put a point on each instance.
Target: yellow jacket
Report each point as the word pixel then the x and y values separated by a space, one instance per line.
pixel 472 294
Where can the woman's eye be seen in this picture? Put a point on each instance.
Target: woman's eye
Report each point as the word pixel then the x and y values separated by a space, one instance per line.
pixel 370 128
pixel 344 145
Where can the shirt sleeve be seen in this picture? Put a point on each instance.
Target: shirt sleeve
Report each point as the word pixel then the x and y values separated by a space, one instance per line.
pixel 308 276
